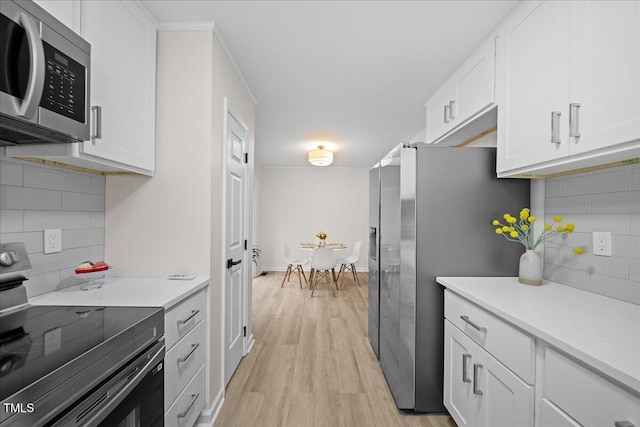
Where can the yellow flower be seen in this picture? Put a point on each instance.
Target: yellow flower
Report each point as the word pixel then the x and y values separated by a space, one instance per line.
pixel 506 216
pixel 505 228
pixel 512 229
pixel 524 214
pixel 499 231
pixel 578 251
pixel 495 222
pixel 531 219
pixel 526 209
pixel 570 226
pixel 548 227
pixel 557 218
pixel 525 227
pixel 511 220
pixel 514 234
pixel 560 228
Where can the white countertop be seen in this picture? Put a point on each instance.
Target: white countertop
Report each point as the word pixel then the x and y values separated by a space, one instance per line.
pixel 601 331
pixel 126 291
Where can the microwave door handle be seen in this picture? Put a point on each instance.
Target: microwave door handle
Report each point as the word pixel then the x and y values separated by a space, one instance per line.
pixel 31 101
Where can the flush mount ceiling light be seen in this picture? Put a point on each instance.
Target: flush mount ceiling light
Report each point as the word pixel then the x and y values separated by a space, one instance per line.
pixel 320 157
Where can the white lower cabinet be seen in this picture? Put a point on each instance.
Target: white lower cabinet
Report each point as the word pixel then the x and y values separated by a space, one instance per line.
pixel 479 390
pixel 184 361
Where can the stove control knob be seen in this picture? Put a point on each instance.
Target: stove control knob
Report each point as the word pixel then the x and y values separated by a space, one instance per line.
pixel 8 258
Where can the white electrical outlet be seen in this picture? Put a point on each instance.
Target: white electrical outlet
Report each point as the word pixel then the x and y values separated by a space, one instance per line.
pixel 602 243
pixel 52 341
pixel 52 240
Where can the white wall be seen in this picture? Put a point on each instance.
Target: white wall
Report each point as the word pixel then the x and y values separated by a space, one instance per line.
pixel 297 202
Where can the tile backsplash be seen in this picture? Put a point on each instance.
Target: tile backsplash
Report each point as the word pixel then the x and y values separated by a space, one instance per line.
pixel 36 197
pixel 604 200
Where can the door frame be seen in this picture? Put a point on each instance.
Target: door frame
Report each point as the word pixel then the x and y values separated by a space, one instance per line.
pixel 248 340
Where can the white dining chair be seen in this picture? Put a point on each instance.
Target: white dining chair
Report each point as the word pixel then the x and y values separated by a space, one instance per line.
pixel 323 265
pixel 349 264
pixel 294 264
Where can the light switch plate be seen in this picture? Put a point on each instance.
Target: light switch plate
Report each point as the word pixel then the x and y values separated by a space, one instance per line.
pixel 52 240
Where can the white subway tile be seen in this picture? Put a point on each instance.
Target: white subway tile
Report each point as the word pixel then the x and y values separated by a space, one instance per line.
pixel 634 225
pixel 33 241
pixel 614 181
pixel 625 246
pixel 553 188
pixel 97 253
pixel 98 184
pixel 567 276
pixel 567 205
pixel 66 220
pixel 626 202
pixel 42 283
pixel 582 240
pixel 635 178
pixel 624 290
pixel 11 174
pixel 51 179
pixel 609 266
pixel 45 263
pixel 634 270
pixel 82 238
pixel 29 198
pixel 11 221
pixel 587 223
pixel 97 219
pixel 82 202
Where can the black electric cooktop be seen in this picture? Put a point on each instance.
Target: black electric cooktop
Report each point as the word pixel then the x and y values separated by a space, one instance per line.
pixel 41 347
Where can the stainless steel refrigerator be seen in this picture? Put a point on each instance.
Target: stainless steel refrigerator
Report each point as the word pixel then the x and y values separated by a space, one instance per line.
pixel 430 210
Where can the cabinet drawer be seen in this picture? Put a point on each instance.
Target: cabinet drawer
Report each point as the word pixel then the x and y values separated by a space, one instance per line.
pixel 181 318
pixel 505 342
pixel 551 415
pixel 186 409
pixel 585 396
pixel 182 362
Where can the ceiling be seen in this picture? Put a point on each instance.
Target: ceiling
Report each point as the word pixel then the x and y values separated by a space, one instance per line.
pixel 353 74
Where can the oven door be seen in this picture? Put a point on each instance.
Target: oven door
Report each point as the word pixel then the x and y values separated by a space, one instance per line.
pixel 132 397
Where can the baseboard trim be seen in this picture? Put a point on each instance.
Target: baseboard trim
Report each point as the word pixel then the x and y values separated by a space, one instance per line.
pixel 250 342
pixel 208 417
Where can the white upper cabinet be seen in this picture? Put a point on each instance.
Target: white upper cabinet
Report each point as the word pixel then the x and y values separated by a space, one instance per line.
pixel 65 11
pixel 568 86
pixel 466 95
pixel 123 61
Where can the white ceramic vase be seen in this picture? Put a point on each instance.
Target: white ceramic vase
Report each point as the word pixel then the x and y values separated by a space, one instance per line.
pixel 322 242
pixel 530 268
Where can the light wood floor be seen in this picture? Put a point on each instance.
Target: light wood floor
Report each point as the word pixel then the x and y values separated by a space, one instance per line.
pixel 312 363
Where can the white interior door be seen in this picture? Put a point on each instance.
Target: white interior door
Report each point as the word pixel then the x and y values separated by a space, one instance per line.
pixel 235 222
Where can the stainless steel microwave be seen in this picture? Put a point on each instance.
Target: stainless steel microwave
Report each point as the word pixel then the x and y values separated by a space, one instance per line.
pixel 44 77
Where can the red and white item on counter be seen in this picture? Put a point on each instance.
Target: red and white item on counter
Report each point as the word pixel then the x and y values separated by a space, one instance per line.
pixel 90 267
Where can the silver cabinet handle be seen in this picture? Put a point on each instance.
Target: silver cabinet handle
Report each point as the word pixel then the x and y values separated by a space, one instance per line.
pixel 465 357
pixel 184 413
pixel 623 424
pixel 473 325
pixel 452 110
pixel 96 113
pixel 476 379
pixel 191 316
pixel 446 113
pixel 194 347
pixel 555 127
pixel 574 120
pixel 32 96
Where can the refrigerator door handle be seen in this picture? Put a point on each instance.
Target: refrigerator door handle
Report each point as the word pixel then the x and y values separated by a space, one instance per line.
pixel 465 358
pixel 472 324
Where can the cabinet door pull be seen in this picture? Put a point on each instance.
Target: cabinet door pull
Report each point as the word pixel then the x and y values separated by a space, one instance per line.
pixel 465 357
pixel 194 347
pixel 184 413
pixel 555 127
pixel 446 113
pixel 96 112
pixel 452 110
pixel 574 120
pixel 472 324
pixel 476 379
pixel 191 316
pixel 623 424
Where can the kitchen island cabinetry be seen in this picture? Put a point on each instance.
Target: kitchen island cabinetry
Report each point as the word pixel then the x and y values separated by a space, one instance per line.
pixel 583 349
pixel 568 86
pixel 122 92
